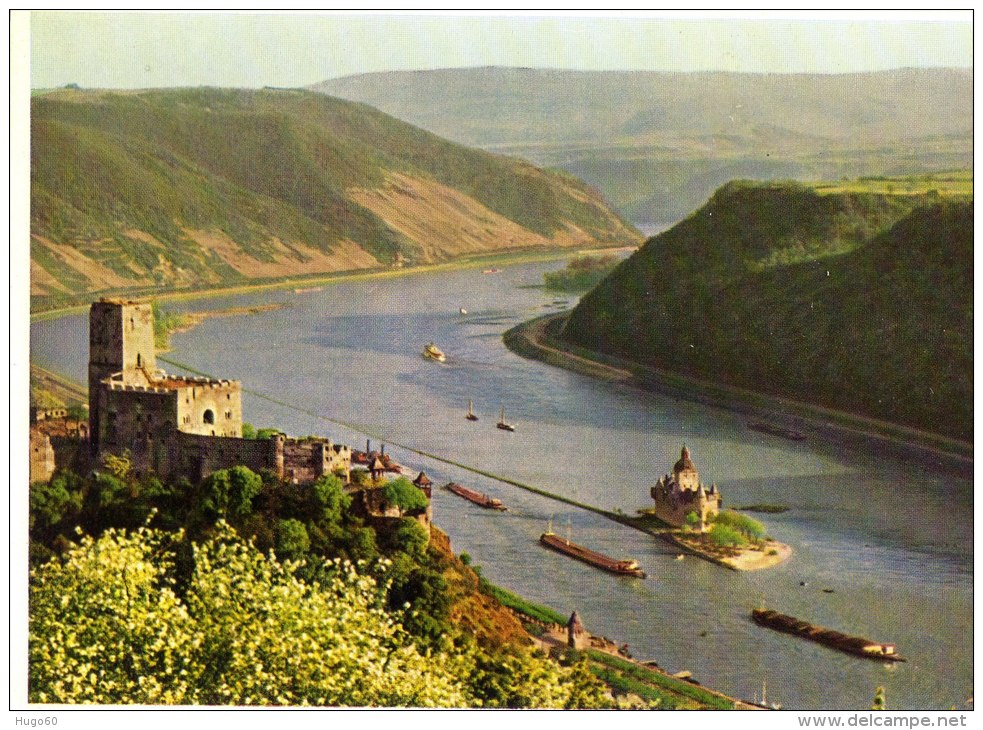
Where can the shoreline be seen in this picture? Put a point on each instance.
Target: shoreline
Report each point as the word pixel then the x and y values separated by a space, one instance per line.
pixel 504 258
pixel 534 340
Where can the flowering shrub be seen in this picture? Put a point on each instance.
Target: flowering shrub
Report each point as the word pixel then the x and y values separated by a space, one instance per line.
pixel 108 626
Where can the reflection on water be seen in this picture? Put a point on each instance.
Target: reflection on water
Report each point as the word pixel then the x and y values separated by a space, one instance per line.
pixel 882 544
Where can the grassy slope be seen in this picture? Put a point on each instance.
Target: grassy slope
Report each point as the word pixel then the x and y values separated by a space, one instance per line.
pixel 254 166
pixel 658 144
pixel 856 301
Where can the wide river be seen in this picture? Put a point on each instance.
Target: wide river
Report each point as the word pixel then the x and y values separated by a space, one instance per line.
pixel 883 542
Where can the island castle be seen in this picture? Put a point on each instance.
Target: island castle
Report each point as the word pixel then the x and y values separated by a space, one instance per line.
pixel 678 494
pixel 180 426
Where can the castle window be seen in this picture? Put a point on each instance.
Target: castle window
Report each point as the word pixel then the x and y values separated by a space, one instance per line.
pixel 209 417
pixel 139 361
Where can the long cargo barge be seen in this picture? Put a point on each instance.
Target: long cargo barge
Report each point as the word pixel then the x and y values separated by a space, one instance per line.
pixel 621 567
pixel 482 500
pixel 834 639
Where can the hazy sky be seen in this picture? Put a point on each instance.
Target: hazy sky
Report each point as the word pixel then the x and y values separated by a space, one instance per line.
pixel 133 50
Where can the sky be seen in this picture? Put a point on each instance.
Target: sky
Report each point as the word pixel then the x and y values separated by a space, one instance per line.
pixel 141 50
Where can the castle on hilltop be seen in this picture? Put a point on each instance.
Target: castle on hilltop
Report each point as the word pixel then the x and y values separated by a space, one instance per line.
pixel 678 494
pixel 180 426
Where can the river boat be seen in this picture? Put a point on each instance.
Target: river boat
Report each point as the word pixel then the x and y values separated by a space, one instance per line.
pixel 309 289
pixel 462 310
pixel 775 430
pixel 491 271
pixel 503 424
pixel 471 416
pixel 432 352
pixel 621 567
pixel 855 645
pixel 482 500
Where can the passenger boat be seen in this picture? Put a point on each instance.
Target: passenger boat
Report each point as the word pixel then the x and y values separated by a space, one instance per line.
pixel 834 639
pixel 471 416
pixel 774 430
pixel 503 424
pixel 482 500
pixel 563 545
pixel 432 352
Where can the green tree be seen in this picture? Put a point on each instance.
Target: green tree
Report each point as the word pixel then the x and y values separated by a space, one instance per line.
pixel 726 536
pixel 403 494
pixel 230 492
pixel 329 494
pixel 248 431
pixel 692 520
pixel 292 541
pixel 54 500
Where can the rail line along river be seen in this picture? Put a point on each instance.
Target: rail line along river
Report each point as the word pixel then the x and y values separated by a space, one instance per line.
pixel 883 542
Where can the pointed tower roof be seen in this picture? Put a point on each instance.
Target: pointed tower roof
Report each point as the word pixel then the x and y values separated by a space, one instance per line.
pixel 422 480
pixel 685 462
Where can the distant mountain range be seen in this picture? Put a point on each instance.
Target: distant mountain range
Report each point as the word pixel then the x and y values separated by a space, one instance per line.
pixel 205 187
pixel 658 144
pixel 852 300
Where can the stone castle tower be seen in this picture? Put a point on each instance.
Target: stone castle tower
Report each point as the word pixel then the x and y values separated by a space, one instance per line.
pixel 121 341
pixel 678 494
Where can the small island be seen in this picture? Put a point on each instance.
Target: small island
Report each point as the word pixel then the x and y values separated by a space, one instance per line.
pixel 700 526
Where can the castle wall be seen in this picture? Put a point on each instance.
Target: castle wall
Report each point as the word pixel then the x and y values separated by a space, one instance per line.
pixel 42 462
pixel 135 418
pixel 306 460
pixel 209 407
pixel 195 456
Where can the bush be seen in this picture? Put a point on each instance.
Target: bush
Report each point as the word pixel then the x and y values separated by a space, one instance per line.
pixel 747 526
pixel 292 541
pixel 726 536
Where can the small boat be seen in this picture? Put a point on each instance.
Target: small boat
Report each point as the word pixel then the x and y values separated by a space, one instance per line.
pixel 774 430
pixel 491 271
pixel 503 424
pixel 482 500
pixel 309 289
pixel 462 310
pixel 432 352
pixel 834 639
pixel 471 416
pixel 621 567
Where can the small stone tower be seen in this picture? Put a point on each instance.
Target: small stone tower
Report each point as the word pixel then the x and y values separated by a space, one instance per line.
pixel 121 340
pixel 577 636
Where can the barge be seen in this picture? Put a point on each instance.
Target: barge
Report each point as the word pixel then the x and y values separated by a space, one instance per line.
pixel 621 567
pixel 834 639
pixel 482 500
pixel 775 430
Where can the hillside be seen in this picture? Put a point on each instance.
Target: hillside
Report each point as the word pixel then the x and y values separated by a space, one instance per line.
pixel 658 144
pixel 206 187
pixel 856 301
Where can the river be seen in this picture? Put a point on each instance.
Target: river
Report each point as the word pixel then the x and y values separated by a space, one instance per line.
pixel 883 543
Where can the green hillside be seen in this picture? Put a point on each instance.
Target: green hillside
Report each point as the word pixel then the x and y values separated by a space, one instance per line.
pixel 853 300
pixel 658 144
pixel 200 187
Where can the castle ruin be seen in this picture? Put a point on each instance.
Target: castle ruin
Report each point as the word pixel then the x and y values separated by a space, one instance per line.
pixel 180 426
pixel 678 494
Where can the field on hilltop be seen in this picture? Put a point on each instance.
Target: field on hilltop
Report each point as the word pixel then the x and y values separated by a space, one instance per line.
pixel 658 144
pixel 193 188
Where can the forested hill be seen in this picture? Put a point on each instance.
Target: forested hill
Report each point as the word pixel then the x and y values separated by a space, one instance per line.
pixel 856 301
pixel 202 187
pixel 658 144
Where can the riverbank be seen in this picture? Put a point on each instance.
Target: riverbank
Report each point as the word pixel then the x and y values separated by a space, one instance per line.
pixel 508 258
pixel 537 339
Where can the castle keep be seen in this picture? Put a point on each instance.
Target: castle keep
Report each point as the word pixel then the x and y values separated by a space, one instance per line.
pixel 179 426
pixel 678 494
